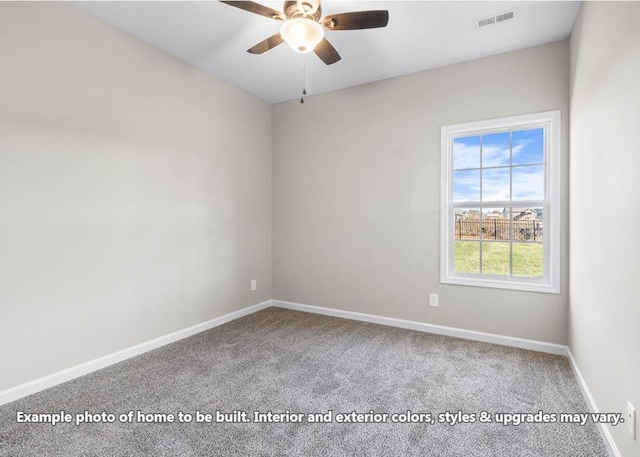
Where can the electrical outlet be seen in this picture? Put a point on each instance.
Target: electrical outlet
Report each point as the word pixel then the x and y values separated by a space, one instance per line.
pixel 433 300
pixel 631 419
pixel 254 285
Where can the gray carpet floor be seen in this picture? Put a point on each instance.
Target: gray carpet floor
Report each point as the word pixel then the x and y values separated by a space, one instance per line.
pixel 278 360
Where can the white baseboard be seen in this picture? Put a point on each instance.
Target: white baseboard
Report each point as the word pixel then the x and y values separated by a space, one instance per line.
pixel 602 428
pixel 68 374
pixel 532 345
pixel 54 379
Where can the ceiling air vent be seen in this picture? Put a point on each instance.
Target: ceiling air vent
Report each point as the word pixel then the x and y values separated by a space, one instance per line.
pixel 496 18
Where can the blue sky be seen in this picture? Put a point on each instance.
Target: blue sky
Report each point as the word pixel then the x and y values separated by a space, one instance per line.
pixel 527 148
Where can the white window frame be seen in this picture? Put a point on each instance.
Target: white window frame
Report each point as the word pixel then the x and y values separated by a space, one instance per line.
pixel 550 282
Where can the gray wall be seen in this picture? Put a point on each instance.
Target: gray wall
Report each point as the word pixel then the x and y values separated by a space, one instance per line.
pixel 133 201
pixel 604 334
pixel 357 193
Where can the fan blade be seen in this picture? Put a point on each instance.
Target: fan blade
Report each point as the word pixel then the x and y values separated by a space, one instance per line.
pixel 257 8
pixel 267 44
pixel 357 20
pixel 327 52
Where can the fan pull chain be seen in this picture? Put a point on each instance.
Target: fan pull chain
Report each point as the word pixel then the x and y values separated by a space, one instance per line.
pixel 304 80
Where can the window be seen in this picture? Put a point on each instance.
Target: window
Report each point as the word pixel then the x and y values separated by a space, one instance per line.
pixel 500 203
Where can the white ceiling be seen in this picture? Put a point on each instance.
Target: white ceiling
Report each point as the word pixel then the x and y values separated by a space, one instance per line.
pixel 421 35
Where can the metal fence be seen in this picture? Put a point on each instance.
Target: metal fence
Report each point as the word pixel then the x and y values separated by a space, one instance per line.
pixel 499 229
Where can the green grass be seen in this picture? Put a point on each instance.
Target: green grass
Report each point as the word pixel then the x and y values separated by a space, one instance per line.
pixel 527 258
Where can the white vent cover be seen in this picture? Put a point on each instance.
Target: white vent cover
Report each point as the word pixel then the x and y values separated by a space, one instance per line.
pixel 496 18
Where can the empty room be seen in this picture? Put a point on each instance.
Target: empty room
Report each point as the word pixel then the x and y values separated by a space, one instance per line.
pixel 359 228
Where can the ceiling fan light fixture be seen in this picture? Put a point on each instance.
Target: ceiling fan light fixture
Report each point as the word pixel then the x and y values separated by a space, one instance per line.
pixel 302 34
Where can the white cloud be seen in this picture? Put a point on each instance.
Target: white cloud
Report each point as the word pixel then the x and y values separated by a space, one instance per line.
pixel 468 156
pixel 465 156
pixel 528 183
pixel 494 156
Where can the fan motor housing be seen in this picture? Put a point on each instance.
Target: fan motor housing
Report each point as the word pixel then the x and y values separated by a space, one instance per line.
pixel 309 9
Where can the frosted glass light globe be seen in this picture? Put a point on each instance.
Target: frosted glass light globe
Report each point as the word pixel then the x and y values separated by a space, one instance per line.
pixel 302 34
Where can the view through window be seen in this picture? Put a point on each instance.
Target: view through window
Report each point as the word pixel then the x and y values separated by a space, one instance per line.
pixel 498 194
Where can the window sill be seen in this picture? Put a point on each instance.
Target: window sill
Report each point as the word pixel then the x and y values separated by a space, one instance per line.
pixel 501 283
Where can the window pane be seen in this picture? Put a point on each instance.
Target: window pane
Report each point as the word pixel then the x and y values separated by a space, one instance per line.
pixel 528 146
pixel 466 257
pixel 495 184
pixel 495 224
pixel 466 186
pixel 528 260
pixel 467 224
pixel 528 183
pixel 527 224
pixel 495 258
pixel 495 150
pixel 466 152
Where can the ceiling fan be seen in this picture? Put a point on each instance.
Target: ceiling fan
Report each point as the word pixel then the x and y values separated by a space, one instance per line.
pixel 303 26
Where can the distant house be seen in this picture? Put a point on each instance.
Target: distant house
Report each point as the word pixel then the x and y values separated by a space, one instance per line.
pixel 527 215
pixel 524 214
pixel 461 214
